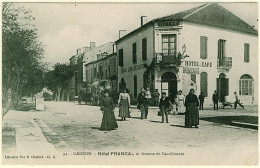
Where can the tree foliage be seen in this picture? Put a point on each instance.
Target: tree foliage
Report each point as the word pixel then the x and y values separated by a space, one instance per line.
pixel 21 54
pixel 58 80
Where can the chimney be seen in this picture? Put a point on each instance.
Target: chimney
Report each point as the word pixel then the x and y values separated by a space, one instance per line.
pixel 78 51
pixel 142 20
pixel 92 45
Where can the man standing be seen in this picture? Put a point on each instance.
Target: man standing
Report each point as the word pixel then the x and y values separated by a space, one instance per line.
pixel 201 99
pixel 215 99
pixel 164 106
pixel 156 96
pixel 237 101
pixel 142 104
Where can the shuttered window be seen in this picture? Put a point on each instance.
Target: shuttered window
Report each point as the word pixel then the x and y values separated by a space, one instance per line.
pixel 193 77
pixel 221 51
pixel 169 45
pixel 134 53
pixel 204 83
pixel 121 58
pixel 144 49
pixel 246 52
pixel 135 86
pixel 203 47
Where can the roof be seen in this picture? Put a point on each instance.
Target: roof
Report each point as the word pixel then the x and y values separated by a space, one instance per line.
pixel 104 58
pixel 210 14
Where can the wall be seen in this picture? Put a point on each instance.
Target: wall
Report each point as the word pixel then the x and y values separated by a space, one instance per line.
pixel 126 45
pixel 190 36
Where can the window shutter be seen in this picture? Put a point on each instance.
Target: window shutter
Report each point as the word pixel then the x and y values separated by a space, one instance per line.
pixel 121 61
pixel 134 53
pixel 203 47
pixel 144 49
pixel 227 86
pixel 246 52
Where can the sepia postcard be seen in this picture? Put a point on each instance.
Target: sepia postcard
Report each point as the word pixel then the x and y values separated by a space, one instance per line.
pixel 129 83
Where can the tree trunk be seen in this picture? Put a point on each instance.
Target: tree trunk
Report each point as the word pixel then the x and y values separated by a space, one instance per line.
pixel 63 93
pixel 59 93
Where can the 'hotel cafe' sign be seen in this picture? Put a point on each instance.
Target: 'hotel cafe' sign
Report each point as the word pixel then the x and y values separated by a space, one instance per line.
pixel 192 67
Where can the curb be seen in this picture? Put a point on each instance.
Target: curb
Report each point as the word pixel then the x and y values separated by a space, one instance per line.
pixel 245 125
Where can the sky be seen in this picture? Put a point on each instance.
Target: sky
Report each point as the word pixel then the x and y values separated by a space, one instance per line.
pixel 65 27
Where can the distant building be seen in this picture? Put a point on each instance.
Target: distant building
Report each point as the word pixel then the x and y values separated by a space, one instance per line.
pixel 104 69
pixel 206 48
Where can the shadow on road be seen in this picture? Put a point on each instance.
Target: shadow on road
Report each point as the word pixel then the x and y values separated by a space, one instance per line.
pixel 155 121
pixel 248 121
pixel 98 128
pixel 181 126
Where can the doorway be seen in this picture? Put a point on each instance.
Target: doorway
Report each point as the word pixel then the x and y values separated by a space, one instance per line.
pixel 222 87
pixel 169 83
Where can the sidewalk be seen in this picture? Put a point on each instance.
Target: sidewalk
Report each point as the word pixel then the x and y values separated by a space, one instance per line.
pixel 29 137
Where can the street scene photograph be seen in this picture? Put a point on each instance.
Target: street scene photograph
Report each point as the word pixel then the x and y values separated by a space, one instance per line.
pixel 127 83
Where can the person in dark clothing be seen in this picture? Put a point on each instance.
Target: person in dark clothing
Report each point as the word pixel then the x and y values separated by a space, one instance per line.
pixel 192 112
pixel 142 104
pixel 237 102
pixel 215 99
pixel 107 107
pixel 201 99
pixel 164 106
pixel 156 96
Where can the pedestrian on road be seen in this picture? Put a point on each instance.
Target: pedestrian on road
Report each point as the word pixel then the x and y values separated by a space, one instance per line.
pixel 215 99
pixel 192 112
pixel 142 104
pixel 107 107
pixel 237 101
pixel 164 106
pixel 124 104
pixel 156 96
pixel 148 96
pixel 201 99
pixel 180 99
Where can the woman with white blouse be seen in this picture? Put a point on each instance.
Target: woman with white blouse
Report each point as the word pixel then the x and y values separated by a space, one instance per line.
pixel 180 99
pixel 124 104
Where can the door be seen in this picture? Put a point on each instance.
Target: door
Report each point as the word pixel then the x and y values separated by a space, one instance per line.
pixel 169 83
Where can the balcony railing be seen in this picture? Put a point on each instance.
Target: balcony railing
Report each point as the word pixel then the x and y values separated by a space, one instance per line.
pixel 225 62
pixel 167 59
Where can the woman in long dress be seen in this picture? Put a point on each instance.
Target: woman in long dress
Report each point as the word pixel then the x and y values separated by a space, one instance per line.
pixel 124 104
pixel 107 108
pixel 192 111
pixel 180 99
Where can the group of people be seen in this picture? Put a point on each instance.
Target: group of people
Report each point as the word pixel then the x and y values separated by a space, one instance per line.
pixel 179 104
pixel 191 103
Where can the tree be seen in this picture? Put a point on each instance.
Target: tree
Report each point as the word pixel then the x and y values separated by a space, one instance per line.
pixel 58 80
pixel 21 55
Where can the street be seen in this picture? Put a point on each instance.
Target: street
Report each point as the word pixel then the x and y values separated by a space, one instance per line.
pixel 70 127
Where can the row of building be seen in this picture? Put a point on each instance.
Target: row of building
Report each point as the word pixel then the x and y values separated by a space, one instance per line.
pixel 206 48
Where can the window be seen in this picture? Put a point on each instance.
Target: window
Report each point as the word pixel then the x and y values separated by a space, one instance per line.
pixel 134 53
pixel 144 49
pixel 203 47
pixel 135 86
pixel 221 51
pixel 169 45
pixel 87 75
pixel 204 83
pixel 193 78
pixel 121 58
pixel 100 69
pixel 246 85
pixel 246 52
pixel 95 72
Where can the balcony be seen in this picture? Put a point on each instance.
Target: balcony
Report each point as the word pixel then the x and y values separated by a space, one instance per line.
pixel 164 59
pixel 225 63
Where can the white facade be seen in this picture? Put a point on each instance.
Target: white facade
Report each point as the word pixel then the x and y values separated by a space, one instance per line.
pixel 92 54
pixel 189 35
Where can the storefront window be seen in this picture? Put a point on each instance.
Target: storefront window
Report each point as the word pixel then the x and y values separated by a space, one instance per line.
pixel 169 45
pixel 246 85
pixel 135 86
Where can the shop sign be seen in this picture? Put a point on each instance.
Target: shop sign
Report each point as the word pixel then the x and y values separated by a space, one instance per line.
pixel 168 23
pixel 133 68
pixel 198 64
pixel 190 70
